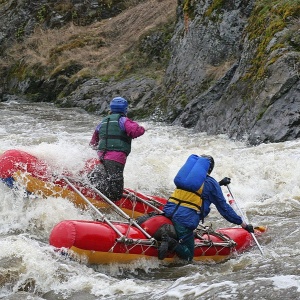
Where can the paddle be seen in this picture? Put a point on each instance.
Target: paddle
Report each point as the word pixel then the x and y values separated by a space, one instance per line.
pixel 127 192
pixel 92 206
pixel 244 219
pixel 130 220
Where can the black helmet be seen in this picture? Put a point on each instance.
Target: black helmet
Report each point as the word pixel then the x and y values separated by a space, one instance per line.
pixel 212 162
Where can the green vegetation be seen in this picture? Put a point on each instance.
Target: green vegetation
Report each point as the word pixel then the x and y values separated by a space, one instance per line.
pixel 214 7
pixel 188 12
pixel 42 14
pixel 261 113
pixel 268 18
pixel 20 32
pixel 150 56
pixel 189 8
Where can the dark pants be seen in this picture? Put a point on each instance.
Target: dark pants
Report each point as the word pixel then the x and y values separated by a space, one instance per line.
pixel 108 179
pixel 185 248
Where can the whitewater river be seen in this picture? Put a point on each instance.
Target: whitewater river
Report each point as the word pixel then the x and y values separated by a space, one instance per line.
pixel 265 182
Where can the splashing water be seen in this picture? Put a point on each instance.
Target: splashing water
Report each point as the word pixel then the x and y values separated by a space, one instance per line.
pixel 265 181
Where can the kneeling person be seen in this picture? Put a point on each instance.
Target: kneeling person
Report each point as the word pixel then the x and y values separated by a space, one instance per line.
pixel 186 208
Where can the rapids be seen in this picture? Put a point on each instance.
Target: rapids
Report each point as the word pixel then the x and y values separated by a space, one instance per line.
pixel 265 183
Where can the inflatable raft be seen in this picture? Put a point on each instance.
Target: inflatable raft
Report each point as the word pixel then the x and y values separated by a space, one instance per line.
pixel 98 242
pixel 21 169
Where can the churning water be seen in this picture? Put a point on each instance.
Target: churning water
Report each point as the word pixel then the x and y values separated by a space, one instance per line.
pixel 265 182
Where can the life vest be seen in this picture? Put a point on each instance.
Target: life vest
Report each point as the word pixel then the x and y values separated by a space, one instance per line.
pixel 190 182
pixel 111 137
pixel 188 199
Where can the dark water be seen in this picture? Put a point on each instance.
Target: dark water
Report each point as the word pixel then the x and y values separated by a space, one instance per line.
pixel 265 182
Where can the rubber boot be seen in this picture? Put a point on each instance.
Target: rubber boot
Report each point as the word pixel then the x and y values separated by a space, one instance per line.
pixel 163 248
pixel 172 244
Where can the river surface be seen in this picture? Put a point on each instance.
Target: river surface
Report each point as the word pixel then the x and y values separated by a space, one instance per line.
pixel 265 183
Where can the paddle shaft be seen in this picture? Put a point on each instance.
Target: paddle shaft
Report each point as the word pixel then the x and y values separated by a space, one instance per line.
pixel 143 201
pixel 130 220
pixel 92 206
pixel 244 218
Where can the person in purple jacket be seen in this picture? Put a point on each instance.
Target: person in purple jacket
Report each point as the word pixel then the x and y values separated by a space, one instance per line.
pixel 112 140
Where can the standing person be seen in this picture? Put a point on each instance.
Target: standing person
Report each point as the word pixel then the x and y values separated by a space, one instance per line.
pixel 190 203
pixel 112 140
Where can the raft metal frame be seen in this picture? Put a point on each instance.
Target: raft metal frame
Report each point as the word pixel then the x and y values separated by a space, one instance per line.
pixel 150 241
pixel 122 238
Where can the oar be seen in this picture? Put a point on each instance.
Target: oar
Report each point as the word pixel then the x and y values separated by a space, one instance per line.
pixel 130 220
pixel 245 220
pixel 92 206
pixel 144 201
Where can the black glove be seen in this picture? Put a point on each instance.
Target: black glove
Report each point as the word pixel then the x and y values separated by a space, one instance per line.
pixel 249 228
pixel 224 181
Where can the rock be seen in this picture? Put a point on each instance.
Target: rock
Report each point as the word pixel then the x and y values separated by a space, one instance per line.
pixel 221 78
pixel 95 95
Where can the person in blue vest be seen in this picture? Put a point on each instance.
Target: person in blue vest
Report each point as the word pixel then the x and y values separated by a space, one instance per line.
pixel 112 140
pixel 190 203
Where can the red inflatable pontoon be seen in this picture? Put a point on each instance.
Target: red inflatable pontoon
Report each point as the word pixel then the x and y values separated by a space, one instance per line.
pixel 23 169
pixel 100 243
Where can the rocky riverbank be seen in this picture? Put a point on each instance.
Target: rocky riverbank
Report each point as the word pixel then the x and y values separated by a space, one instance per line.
pixel 223 67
